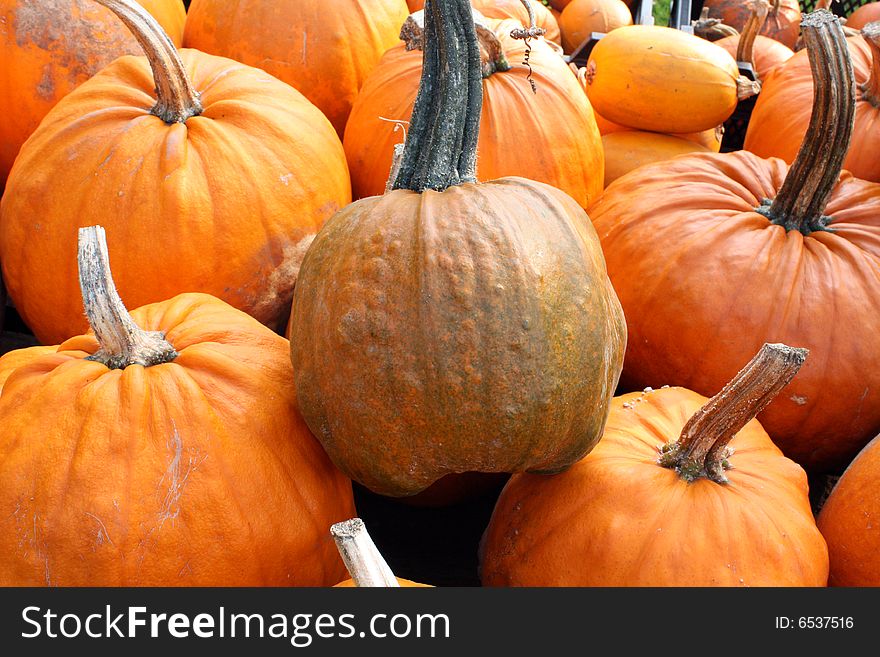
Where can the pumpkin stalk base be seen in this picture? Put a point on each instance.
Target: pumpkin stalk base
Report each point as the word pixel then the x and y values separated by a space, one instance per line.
pixel 702 451
pixel 806 227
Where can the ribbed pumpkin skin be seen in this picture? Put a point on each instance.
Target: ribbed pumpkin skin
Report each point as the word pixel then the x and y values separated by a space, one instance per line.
pixel 848 521
pixel 49 47
pixel 867 13
pixel 705 281
pixel 472 330
pixel 783 25
pixel 617 518
pixel 324 50
pixel 628 150
pixel 662 80
pixel 768 53
pixel 514 9
pixel 582 17
pixel 549 136
pixel 198 472
pixel 225 204
pixel 782 113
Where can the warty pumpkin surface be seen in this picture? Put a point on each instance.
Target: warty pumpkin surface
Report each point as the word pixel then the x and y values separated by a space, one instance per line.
pixel 549 136
pixel 782 112
pixel 323 49
pixel 711 255
pixel 621 517
pixel 49 47
pixel 221 194
pixel 454 326
pixel 196 470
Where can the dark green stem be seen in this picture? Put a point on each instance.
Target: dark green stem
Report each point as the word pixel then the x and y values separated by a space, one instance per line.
pixel 701 451
pixel 441 147
pixel 801 200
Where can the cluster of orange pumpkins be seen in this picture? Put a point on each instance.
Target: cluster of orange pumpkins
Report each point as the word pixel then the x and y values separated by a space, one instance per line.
pixel 393 242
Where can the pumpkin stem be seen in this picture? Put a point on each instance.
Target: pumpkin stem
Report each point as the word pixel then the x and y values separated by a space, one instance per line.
pixel 711 29
pixel 745 49
pixel 441 149
pixel 801 200
pixel 362 558
pixel 492 55
pixel 177 99
pixel 122 342
pixel 871 89
pixel 701 450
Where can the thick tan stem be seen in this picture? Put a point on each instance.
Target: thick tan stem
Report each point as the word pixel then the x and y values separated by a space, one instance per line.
pixel 801 200
pixel 745 49
pixel 123 343
pixel 492 57
pixel 362 558
pixel 871 89
pixel 701 451
pixel 711 29
pixel 177 100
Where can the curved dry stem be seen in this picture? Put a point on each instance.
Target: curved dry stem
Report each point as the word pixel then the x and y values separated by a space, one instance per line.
pixel 745 49
pixel 702 449
pixel 871 88
pixel 177 100
pixel 801 200
pixel 532 31
pixel 711 29
pixel 122 342
pixel 362 558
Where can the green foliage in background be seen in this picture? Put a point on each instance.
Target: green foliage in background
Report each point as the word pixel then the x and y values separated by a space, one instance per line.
pixel 661 12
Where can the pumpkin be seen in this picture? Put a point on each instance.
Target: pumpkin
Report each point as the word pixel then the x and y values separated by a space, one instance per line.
pixel 559 5
pixel 847 520
pixel 628 150
pixel 867 13
pixel 782 112
pixel 171 452
pixel 523 11
pixel 362 558
pixel 732 250
pixel 581 18
pixel 783 19
pixel 218 187
pixel 710 139
pixel 49 47
pixel 711 29
pixel 324 51
pixel 549 136
pixel 415 5
pixel 630 76
pixel 681 491
pixel 763 53
pixel 454 326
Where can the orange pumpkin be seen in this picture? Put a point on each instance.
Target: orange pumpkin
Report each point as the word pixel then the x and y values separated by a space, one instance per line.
pixel 49 47
pixel 628 79
pixel 581 18
pixel 449 325
pixel 763 53
pixel 325 52
pixel 628 150
pixel 516 10
pixel 415 5
pixel 680 491
pixel 848 522
pixel 362 558
pixel 171 452
pixel 867 13
pixel 783 19
pixel 218 188
pixel 734 250
pixel 710 138
pixel 549 136
pixel 782 112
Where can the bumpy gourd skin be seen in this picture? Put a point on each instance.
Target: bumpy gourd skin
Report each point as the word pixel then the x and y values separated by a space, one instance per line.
pixel 49 47
pixel 473 329
pixel 618 518
pixel 198 472
pixel 704 280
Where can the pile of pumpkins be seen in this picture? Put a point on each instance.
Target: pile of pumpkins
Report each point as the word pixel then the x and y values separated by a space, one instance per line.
pixel 340 270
